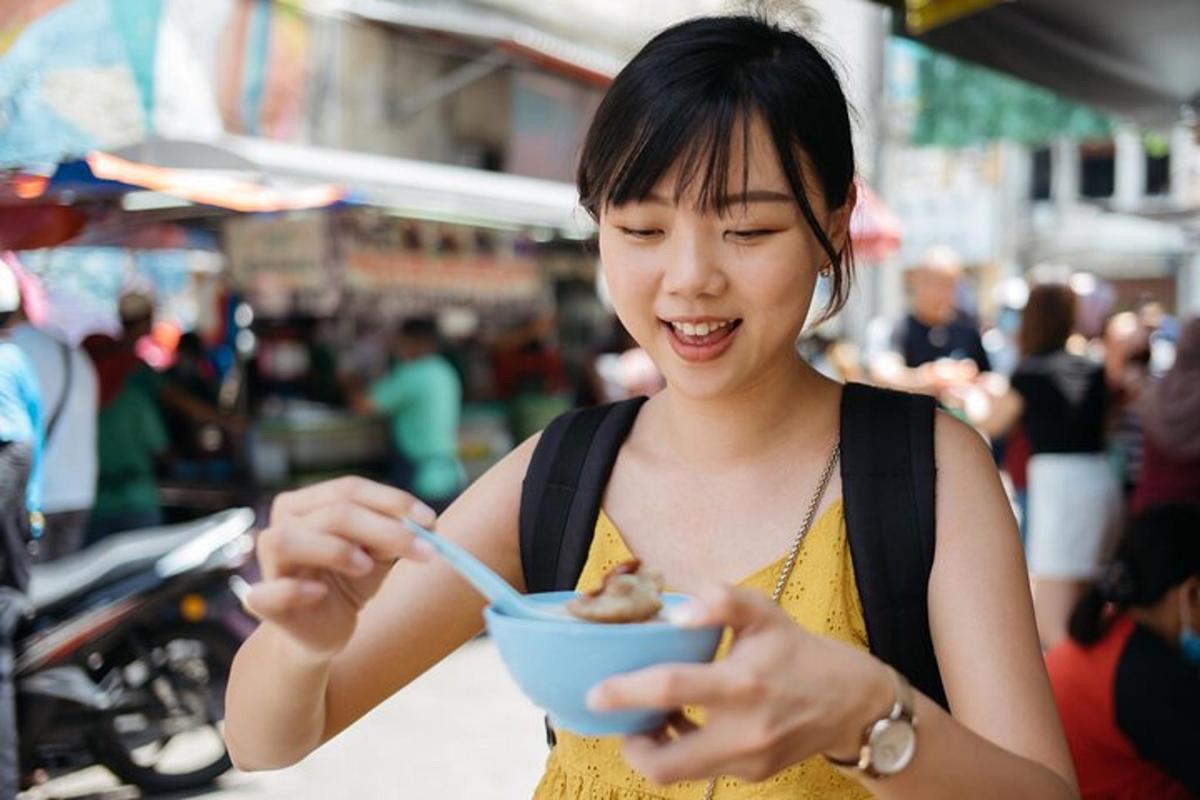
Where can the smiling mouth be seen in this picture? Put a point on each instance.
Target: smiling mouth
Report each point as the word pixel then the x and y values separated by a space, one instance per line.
pixel 704 334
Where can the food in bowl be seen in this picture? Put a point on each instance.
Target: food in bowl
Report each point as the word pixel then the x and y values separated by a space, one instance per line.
pixel 630 592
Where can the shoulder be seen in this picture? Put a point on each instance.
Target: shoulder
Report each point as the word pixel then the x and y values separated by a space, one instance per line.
pixel 958 446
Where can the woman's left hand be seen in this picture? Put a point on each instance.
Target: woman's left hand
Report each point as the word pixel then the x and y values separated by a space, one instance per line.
pixel 781 696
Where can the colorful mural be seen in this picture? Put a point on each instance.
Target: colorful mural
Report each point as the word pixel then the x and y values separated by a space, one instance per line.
pixel 79 75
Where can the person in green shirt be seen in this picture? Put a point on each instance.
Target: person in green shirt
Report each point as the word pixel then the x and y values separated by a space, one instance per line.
pixel 422 398
pixel 130 434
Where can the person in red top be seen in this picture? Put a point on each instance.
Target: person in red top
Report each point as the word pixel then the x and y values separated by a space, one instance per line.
pixel 1171 410
pixel 1127 681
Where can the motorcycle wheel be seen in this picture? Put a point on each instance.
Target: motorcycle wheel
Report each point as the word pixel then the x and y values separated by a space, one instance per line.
pixel 172 740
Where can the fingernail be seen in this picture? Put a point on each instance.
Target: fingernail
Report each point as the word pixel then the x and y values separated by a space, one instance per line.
pixel 596 698
pixel 361 562
pixel 312 589
pixel 421 551
pixel 421 514
pixel 685 614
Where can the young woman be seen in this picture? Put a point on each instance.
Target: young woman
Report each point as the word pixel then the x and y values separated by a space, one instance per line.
pixel 1127 682
pixel 719 170
pixel 1074 502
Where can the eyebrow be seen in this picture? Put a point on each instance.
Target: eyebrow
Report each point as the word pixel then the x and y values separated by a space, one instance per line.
pixel 742 198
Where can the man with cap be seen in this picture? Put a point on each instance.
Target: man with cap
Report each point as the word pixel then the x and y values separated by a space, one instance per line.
pixel 20 513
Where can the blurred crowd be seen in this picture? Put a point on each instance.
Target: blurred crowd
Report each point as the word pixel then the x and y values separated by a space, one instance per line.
pixel 1092 414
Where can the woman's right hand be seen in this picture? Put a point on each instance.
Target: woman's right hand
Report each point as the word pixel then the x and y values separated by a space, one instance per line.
pixel 325 553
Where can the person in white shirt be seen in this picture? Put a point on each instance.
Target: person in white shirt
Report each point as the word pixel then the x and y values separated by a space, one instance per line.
pixel 69 405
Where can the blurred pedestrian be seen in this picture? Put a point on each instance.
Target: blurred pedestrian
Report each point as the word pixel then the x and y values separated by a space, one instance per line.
pixel 131 432
pixel 20 512
pixel 1171 416
pixel 1127 682
pixel 936 345
pixel 422 398
pixel 196 449
pixel 67 381
pixel 1127 371
pixel 1073 499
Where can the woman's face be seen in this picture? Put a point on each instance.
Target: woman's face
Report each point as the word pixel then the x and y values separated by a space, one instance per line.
pixel 718 299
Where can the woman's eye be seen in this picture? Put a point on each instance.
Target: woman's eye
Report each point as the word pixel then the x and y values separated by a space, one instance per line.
pixel 751 234
pixel 640 233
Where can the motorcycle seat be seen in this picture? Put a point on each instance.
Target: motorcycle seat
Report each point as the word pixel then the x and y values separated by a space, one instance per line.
pixel 112 558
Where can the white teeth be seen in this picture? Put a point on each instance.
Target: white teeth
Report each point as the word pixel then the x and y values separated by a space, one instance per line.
pixel 702 329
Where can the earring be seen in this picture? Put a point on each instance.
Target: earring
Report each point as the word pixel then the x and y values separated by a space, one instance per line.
pixel 826 270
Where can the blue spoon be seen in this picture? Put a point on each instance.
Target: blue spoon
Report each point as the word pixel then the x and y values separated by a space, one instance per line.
pixel 503 597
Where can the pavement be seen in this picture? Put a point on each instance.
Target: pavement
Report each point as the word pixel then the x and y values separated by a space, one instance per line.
pixel 462 730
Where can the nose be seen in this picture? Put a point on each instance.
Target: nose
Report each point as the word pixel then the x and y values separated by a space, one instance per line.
pixel 694 267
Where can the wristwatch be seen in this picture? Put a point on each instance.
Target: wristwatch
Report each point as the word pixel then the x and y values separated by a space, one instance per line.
pixel 888 744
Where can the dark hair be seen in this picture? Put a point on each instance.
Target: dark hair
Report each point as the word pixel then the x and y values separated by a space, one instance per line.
pixel 1048 319
pixel 422 328
pixel 1159 551
pixel 191 344
pixel 684 95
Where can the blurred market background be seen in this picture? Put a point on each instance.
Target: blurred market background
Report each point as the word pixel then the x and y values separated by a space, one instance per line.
pixel 289 181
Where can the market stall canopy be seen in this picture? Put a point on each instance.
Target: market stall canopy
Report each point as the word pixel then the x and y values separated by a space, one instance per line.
pixel 426 190
pixel 1137 60
pixel 103 175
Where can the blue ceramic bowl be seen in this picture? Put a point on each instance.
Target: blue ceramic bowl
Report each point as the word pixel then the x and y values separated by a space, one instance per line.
pixel 556 663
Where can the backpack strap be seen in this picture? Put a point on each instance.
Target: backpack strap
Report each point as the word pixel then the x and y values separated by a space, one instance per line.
pixel 888 488
pixel 563 486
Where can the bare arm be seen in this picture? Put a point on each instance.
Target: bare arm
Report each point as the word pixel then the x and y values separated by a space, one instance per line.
pixel 1004 739
pixel 332 649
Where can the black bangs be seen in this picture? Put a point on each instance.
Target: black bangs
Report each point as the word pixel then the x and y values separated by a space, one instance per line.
pixel 689 97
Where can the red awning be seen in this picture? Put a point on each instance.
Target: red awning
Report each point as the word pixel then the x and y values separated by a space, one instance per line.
pixel 874 229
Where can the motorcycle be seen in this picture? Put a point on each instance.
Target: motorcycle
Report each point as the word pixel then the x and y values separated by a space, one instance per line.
pixel 124 657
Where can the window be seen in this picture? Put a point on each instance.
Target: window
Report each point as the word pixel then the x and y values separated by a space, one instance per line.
pixel 1158 171
pixel 1097 169
pixel 1039 182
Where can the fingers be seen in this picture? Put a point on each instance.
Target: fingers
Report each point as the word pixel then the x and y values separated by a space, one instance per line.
pixel 382 536
pixel 699 754
pixel 276 597
pixel 740 609
pixel 383 499
pixel 305 548
pixel 673 686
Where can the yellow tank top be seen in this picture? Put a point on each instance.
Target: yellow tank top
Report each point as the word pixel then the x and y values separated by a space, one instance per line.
pixel 821 596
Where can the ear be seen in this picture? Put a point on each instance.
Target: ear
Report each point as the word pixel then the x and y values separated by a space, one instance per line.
pixel 839 220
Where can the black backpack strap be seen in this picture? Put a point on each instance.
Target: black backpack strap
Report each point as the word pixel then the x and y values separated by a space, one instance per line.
pixel 560 497
pixel 888 487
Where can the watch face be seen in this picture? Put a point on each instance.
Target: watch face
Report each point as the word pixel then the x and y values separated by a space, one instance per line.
pixel 893 745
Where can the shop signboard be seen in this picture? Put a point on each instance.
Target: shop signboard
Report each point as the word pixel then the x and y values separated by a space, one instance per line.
pixel 436 261
pixel 278 252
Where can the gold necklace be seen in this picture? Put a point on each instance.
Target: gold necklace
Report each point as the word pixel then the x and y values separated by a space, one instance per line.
pixel 786 573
